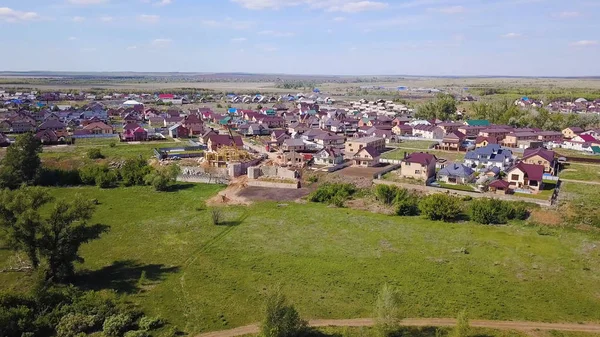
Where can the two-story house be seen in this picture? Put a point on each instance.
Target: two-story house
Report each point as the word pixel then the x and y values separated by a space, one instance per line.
pixel 418 165
pixel 488 156
pixel 540 156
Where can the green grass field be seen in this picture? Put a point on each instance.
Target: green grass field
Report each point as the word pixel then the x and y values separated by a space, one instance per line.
pixel 330 262
pixel 581 172
pixel 415 144
pixel 399 154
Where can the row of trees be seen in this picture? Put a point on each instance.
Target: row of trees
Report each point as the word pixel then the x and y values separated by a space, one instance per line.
pixel 444 207
pixel 22 166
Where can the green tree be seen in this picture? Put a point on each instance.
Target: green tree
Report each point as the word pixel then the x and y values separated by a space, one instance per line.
pixel 95 153
pixel 490 211
pixel 163 178
pixel 462 328
pixel 22 164
pixel 387 311
pixel 55 239
pixel 280 318
pixel 443 107
pixel 134 171
pixel 440 207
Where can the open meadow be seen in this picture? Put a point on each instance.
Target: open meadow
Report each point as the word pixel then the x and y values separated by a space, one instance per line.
pixel 331 263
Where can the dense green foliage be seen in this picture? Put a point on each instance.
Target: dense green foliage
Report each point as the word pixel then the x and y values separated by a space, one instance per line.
pixel 335 194
pixel 163 179
pixel 280 318
pixel 387 311
pixel 492 211
pixel 440 207
pixel 406 202
pixel 22 164
pixel 462 328
pixel 95 153
pixel 99 175
pixel 67 312
pixel 55 239
pixel 443 107
pixel 134 171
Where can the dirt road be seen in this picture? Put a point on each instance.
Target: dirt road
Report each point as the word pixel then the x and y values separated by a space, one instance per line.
pixel 361 322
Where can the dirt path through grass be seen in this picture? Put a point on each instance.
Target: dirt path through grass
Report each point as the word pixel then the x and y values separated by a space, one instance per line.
pixel 580 181
pixel 365 322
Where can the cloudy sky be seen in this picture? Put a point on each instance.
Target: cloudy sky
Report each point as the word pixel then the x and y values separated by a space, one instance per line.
pixel 345 37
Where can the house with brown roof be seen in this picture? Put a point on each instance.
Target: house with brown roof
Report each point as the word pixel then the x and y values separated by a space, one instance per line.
pixel 550 136
pixel 471 131
pixel 498 133
pixel 329 139
pixel 418 165
pixel 293 145
pixel 402 130
pixel 453 141
pixel 481 141
pixel 366 157
pixel 98 128
pixel 353 145
pixel 572 132
pixel 499 186
pixel 449 127
pixel 527 177
pixel 520 139
pixel 540 156
pixel 215 142
pixel 428 131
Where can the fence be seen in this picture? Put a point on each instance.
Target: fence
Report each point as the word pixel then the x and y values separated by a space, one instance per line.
pixel 202 179
pixel 258 183
pixel 109 135
pixel 379 174
pixel 391 161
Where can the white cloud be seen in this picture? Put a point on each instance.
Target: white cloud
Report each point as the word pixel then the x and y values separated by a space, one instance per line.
pixel 585 43
pixel 339 19
pixel 347 6
pixel 78 19
pixel 228 23
pixel 107 19
pixel 148 18
pixel 275 33
pixel 449 10
pixel 568 15
pixel 163 3
pixel 72 38
pixel 160 43
pixel 511 35
pixel 132 48
pixel 87 2
pixel 239 39
pixel 11 15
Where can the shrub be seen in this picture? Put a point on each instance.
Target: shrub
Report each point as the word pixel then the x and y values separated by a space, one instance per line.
pixel 440 207
pixel 107 179
pixel 161 179
pixel 136 333
pixel 387 311
pixel 58 177
pixel 149 323
pixel 116 325
pixel 133 172
pixel 490 211
pixel 95 154
pixel 462 328
pixel 406 202
pixel 281 319
pixel 215 214
pixel 112 144
pixel 386 194
pixel 71 325
pixel 327 192
pixel 313 179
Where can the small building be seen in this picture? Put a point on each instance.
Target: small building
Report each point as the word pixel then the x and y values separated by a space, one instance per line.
pixel 456 173
pixel 453 141
pixel 540 156
pixel 178 131
pixel 418 165
pixel 366 157
pixel 293 145
pixel 499 187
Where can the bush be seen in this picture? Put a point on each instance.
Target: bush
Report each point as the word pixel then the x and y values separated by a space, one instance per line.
pixel 386 194
pixel 387 311
pixel 136 333
pixel 162 179
pixel 281 319
pixel 333 193
pixel 406 202
pixel 107 179
pixel 58 177
pixel 95 154
pixel 215 214
pixel 116 325
pixel 112 144
pixel 149 323
pixel 313 179
pixel 72 325
pixel 440 207
pixel 490 211
pixel 133 172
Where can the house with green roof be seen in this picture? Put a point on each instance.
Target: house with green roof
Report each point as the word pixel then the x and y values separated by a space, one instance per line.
pixel 478 122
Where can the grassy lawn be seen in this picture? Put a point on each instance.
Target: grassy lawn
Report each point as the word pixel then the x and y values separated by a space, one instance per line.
pixel 414 144
pixel 97 141
pixel 443 332
pixel 394 176
pixel 581 172
pixel 76 156
pixel 467 188
pixel 330 263
pixel 399 154
pixel 545 194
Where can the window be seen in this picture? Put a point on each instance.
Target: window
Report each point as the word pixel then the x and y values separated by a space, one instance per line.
pixel 514 177
pixel 417 171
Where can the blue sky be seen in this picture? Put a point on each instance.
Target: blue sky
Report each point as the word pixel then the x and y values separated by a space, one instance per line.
pixel 345 37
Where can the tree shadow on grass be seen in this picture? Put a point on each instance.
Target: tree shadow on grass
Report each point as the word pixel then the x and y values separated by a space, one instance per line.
pixel 233 223
pixel 124 276
pixel 180 187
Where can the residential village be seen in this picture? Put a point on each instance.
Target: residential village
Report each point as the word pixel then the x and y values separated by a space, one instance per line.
pixel 298 132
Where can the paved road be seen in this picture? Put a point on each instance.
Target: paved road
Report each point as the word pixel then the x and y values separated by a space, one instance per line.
pixel 360 322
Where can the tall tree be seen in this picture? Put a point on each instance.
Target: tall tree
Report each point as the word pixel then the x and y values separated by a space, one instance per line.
pixel 22 164
pixel 443 107
pixel 55 239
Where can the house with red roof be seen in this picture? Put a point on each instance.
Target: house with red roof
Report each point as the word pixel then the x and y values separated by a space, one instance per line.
pixel 134 133
pixel 540 156
pixel 418 165
pixel 453 141
pixel 215 142
pixel 528 177
pixel 366 157
pixel 499 186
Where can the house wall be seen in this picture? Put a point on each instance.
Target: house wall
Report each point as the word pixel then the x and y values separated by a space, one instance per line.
pixel 409 170
pixel 353 147
pixel 538 160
